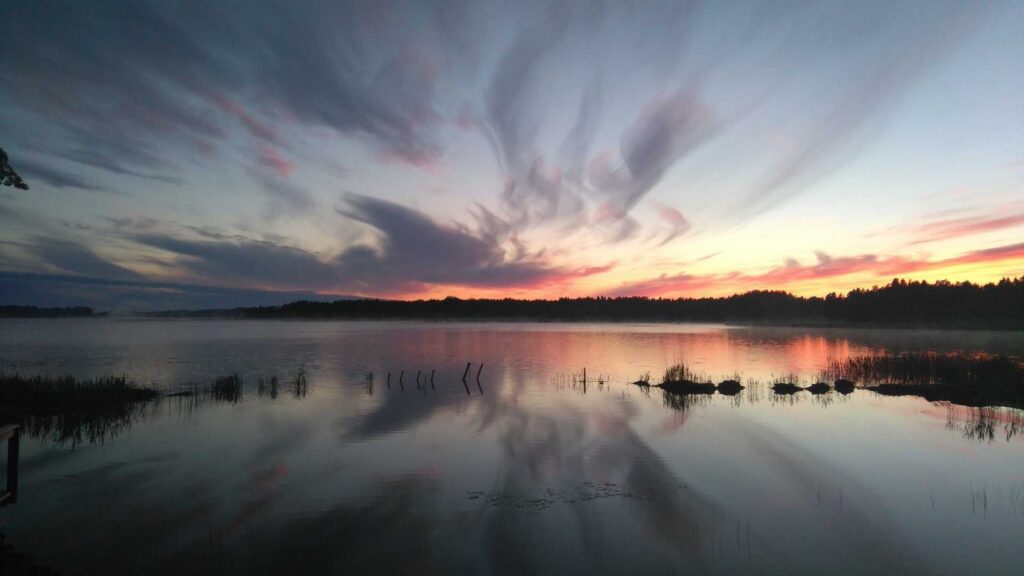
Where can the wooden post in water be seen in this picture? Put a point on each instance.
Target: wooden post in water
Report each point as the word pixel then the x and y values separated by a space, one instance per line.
pixel 389 380
pixel 418 378
pixel 12 434
pixel 432 379
pixel 400 383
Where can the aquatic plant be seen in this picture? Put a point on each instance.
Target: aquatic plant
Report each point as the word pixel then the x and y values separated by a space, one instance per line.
pixel 67 410
pixel 44 393
pixel 268 388
pixel 928 369
pixel 963 379
pixel 680 372
pixel 299 385
pixel 682 402
pixel 227 388
pixel 983 423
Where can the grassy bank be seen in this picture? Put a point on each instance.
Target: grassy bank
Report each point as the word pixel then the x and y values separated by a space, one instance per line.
pixel 961 379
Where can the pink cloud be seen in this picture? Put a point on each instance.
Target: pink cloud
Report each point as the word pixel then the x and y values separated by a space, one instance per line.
pixel 272 158
pixel 792 272
pixel 966 226
pixel 256 128
pixel 678 223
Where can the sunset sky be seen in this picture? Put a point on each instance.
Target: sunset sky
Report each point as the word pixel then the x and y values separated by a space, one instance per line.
pixel 218 153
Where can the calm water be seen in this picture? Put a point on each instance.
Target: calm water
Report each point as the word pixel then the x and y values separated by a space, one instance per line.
pixel 528 471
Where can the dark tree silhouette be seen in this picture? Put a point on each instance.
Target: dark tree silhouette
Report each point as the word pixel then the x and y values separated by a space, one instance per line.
pixel 8 177
pixel 900 303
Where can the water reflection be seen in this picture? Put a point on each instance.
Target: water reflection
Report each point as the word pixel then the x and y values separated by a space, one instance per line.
pixel 985 424
pixel 393 457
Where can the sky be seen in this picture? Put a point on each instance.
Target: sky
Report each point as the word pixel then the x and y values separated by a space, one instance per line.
pixel 212 153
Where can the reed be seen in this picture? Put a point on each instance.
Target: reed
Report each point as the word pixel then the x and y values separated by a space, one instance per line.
pixel 959 378
pixel 45 393
pixel 299 383
pixel 928 369
pixel 68 410
pixel 680 372
pixel 227 388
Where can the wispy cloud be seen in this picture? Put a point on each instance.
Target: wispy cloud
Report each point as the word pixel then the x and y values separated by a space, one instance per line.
pixel 792 273
pixel 134 294
pixel 411 252
pixel 964 226
pixel 54 176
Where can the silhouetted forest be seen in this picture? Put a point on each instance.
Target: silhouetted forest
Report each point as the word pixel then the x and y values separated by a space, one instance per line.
pixel 34 312
pixel 900 303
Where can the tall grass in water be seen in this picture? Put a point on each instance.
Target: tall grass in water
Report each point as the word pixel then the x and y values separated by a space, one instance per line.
pixel 966 380
pixel 67 410
pixel 268 388
pixel 680 379
pixel 680 372
pixel 227 388
pixel 644 379
pixel 683 402
pixel 299 384
pixel 985 423
pixel 47 394
pixel 928 369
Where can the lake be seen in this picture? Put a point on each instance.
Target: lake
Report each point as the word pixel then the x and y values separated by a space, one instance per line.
pixel 388 462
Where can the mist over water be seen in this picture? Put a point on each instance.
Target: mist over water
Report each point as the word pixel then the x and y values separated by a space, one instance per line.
pixel 530 469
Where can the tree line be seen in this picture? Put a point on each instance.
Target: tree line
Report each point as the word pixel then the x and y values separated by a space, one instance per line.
pixel 36 312
pixel 907 303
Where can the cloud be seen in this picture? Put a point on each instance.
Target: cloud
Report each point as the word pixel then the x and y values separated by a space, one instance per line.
pixel 132 80
pixel 514 116
pixel 678 224
pixel 255 127
pixel 75 258
pixel 897 46
pixel 54 177
pixel 964 226
pixel 286 196
pixel 245 262
pixel 668 127
pixel 272 158
pixel 414 251
pixel 826 267
pixel 545 186
pixel 411 252
pixel 134 295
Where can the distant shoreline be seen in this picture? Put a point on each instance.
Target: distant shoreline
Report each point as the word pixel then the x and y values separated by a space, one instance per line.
pixel 900 304
pixel 810 323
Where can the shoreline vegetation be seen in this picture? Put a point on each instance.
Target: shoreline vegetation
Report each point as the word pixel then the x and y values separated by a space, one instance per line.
pixel 37 312
pixel 69 410
pixel 974 381
pixel 900 303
